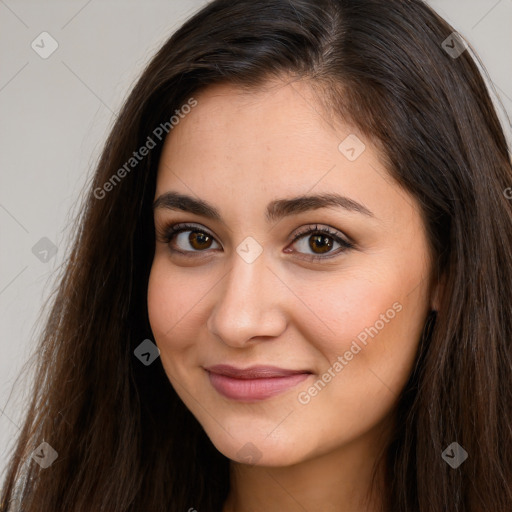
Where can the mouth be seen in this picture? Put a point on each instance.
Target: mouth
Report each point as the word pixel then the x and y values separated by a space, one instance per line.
pixel 255 383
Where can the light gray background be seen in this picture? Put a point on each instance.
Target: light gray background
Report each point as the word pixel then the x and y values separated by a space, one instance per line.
pixel 55 115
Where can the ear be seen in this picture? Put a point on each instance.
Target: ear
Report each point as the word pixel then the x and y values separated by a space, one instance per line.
pixel 437 293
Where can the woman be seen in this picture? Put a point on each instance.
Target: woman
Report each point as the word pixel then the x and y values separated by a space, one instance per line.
pixel 290 284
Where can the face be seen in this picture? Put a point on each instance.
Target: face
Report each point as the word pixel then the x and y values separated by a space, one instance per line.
pixel 288 327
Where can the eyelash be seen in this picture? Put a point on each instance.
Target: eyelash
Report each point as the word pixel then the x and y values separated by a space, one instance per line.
pixel 170 232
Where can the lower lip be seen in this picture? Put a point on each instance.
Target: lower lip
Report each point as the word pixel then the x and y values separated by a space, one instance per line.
pixel 250 390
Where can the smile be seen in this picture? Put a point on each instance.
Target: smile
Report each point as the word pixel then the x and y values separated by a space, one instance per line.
pixel 253 384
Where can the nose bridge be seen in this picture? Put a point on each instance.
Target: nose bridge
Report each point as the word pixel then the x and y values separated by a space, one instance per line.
pixel 248 304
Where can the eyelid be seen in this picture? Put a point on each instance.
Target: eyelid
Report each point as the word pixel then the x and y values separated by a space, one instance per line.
pixel 340 238
pixel 171 230
pixel 333 232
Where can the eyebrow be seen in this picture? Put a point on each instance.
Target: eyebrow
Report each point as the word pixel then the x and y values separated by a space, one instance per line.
pixel 276 209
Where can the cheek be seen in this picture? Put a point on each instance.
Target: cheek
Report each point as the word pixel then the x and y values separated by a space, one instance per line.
pixel 373 323
pixel 171 301
pixel 343 308
pixel 367 354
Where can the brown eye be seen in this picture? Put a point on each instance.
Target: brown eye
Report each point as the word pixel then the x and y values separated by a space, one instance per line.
pixel 320 241
pixel 187 239
pixel 316 243
pixel 199 240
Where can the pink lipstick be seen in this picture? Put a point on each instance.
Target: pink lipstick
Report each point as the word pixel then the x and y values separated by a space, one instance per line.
pixel 254 383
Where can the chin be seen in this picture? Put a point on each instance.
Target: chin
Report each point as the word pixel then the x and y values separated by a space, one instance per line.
pixel 256 450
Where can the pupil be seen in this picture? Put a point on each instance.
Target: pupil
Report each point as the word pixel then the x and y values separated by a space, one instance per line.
pixel 196 237
pixel 318 239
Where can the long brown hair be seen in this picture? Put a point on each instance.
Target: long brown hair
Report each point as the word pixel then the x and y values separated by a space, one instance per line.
pixel 124 439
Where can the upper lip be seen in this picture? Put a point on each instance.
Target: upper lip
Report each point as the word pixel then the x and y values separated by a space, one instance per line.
pixel 253 372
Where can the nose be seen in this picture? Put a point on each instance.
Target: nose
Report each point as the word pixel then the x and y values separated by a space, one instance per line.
pixel 249 304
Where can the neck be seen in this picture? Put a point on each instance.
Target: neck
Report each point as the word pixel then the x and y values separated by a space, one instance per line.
pixel 337 481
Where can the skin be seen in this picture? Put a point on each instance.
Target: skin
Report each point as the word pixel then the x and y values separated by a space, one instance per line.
pixel 239 151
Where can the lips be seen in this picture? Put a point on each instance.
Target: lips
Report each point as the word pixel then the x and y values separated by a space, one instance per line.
pixel 254 383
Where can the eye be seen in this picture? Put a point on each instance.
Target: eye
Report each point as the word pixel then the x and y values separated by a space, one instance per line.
pixel 190 239
pixel 321 241
pixel 187 236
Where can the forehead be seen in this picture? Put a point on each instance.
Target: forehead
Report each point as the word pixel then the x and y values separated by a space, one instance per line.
pixel 264 132
pixel 240 150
